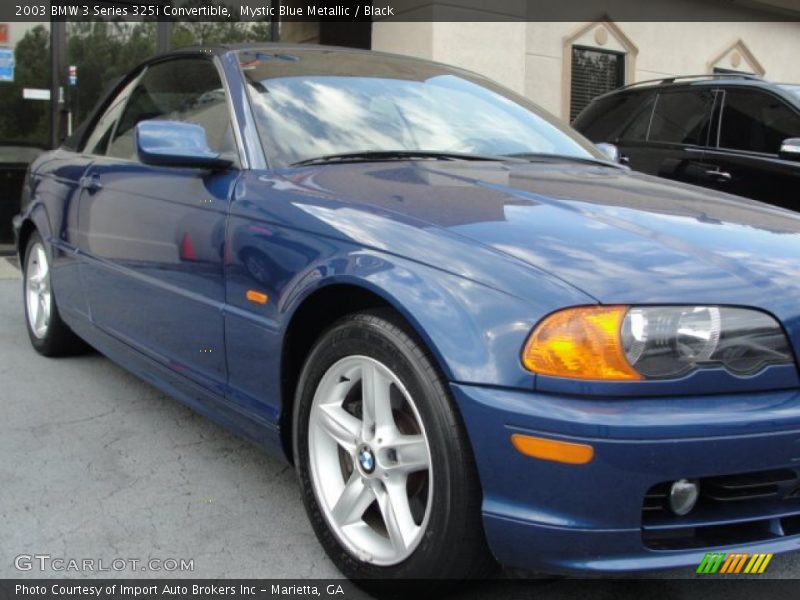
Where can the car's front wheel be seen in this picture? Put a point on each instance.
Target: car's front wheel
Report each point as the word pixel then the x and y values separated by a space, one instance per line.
pixel 49 335
pixel 386 470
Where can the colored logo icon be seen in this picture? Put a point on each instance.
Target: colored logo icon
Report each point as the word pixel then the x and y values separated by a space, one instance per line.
pixel 734 563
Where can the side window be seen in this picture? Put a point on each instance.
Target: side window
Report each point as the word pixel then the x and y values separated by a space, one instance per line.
pixel 682 118
pixel 618 117
pixel 638 124
pixel 97 142
pixel 186 89
pixel 756 121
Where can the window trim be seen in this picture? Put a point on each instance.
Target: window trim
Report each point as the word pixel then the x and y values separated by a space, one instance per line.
pixel 105 104
pixel 121 114
pixel 113 126
pixel 243 163
pixel 248 107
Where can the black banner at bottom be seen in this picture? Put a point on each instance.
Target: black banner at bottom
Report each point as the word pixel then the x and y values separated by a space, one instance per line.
pixel 179 589
pixel 730 588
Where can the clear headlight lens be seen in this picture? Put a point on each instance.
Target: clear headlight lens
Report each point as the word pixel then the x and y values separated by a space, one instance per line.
pixel 654 342
pixel 669 341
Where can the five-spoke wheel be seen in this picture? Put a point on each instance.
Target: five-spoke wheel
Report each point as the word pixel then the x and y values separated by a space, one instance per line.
pixel 370 460
pixel 37 290
pixel 48 333
pixel 385 467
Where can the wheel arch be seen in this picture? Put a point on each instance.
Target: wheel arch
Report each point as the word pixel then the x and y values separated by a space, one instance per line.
pixel 317 311
pixel 33 220
pixel 26 230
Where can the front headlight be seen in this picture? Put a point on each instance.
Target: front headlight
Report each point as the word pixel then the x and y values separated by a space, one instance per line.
pixel 620 343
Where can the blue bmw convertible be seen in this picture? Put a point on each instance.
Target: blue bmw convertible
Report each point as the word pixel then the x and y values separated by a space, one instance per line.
pixel 476 338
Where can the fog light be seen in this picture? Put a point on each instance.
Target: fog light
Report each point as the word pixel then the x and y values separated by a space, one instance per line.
pixel 683 496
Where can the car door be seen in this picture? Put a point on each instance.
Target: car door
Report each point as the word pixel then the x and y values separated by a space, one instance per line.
pixel 676 135
pixel 58 182
pixel 153 236
pixel 744 159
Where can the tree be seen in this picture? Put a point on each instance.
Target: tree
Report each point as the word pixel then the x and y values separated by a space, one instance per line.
pixel 102 51
pixel 232 31
pixel 27 120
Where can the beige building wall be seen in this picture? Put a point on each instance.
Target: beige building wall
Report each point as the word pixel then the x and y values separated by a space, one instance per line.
pixel 659 50
pixel 534 58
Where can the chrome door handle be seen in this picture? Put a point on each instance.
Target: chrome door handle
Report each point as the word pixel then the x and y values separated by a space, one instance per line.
pixel 720 176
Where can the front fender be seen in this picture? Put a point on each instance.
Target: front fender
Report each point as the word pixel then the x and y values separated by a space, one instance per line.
pixel 475 332
pixel 35 216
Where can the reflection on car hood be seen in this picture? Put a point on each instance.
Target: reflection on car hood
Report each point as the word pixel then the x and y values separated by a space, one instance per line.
pixel 619 236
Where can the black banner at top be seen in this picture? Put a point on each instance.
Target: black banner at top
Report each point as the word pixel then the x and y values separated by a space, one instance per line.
pixel 399 10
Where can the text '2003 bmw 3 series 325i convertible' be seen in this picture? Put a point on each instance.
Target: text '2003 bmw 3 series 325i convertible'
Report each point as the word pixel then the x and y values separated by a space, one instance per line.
pixel 476 339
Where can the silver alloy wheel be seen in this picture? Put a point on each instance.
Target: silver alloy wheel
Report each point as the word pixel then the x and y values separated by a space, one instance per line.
pixel 38 297
pixel 370 461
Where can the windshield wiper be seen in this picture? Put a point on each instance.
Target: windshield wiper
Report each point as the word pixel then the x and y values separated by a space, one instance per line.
pixel 543 157
pixel 389 155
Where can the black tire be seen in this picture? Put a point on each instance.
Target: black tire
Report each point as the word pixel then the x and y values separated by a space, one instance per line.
pixel 453 545
pixel 58 339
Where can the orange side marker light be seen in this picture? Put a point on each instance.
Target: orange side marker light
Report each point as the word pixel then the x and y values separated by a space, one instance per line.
pixel 554 450
pixel 257 297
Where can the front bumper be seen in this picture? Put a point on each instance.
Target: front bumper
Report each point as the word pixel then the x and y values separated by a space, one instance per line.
pixel 554 517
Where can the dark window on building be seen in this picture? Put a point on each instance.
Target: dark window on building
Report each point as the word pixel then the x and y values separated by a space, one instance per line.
pixel 682 118
pixel 756 121
pixel 594 72
pixel 178 90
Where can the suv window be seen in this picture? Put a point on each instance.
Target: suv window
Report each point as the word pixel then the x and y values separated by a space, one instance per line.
pixel 682 117
pixel 756 121
pixel 186 89
pixel 617 117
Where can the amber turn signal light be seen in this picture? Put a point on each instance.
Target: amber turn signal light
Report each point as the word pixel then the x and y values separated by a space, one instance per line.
pixel 580 343
pixel 257 297
pixel 555 450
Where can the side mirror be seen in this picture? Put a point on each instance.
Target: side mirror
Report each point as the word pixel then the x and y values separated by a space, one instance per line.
pixel 790 149
pixel 612 153
pixel 176 144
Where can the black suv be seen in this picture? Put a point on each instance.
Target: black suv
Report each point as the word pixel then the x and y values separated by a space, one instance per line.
pixel 735 133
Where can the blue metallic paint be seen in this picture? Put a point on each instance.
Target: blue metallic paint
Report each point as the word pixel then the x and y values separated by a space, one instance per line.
pixel 176 144
pixel 532 523
pixel 473 255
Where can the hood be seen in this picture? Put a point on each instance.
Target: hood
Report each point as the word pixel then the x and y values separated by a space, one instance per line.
pixel 616 235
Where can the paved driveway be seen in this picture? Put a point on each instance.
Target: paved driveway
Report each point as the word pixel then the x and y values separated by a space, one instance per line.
pixel 94 463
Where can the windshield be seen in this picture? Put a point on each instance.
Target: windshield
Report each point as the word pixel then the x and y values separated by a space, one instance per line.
pixel 792 89
pixel 315 103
